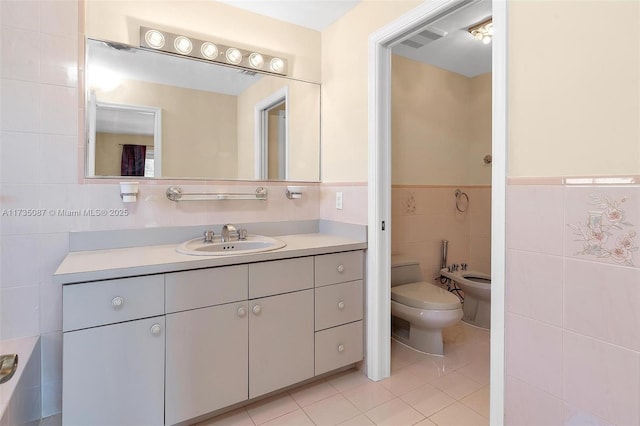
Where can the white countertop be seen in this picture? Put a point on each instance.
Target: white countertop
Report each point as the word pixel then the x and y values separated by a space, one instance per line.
pixel 82 266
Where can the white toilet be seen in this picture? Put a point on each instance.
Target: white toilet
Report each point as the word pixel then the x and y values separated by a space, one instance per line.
pixel 420 310
pixel 477 296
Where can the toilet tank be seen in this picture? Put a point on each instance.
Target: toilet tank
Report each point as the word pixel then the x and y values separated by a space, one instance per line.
pixel 405 270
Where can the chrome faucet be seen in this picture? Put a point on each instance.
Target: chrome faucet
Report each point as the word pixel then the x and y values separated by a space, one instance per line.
pixel 208 236
pixel 226 232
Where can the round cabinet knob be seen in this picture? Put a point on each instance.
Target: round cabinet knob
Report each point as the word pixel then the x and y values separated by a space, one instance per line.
pixel 117 302
pixel 341 305
pixel 156 329
pixel 242 312
pixel 341 268
pixel 257 309
pixel 340 348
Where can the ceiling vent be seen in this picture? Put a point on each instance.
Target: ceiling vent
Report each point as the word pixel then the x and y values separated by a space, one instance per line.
pixel 412 43
pixel 432 33
pixel 424 37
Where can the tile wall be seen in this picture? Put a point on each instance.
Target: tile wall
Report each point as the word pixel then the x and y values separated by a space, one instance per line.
pixel 423 216
pixel 41 168
pixel 573 304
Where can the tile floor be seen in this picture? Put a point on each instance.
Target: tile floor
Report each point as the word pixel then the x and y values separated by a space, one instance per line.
pixel 422 390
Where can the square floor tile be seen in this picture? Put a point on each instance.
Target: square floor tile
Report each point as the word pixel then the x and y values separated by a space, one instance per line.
pixel 428 400
pixel 478 401
pixel 295 418
pixel 368 396
pixel 271 408
pixel 348 380
pixel 456 385
pixel 458 415
pixel 313 392
pixel 331 411
pixel 403 381
pixel 360 420
pixel 394 413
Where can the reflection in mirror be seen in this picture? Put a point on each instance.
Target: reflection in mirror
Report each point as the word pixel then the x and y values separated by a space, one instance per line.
pixel 126 140
pixel 271 139
pixel 217 122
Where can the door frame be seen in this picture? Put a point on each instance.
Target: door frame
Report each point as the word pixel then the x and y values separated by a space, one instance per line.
pixel 378 299
pixel 261 134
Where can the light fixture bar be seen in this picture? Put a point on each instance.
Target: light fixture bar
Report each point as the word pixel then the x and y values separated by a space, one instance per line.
pixel 177 44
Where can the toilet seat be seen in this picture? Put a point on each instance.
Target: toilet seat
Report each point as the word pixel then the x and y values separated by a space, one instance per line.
pixel 424 295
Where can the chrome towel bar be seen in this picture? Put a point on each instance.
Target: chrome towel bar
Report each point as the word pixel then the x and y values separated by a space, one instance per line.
pixel 175 193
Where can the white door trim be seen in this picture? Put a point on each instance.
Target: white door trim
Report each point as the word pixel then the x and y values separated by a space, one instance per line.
pixel 379 205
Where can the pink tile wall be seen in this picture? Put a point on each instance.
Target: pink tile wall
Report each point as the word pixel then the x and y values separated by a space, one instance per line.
pixel 40 99
pixel 573 304
pixel 423 216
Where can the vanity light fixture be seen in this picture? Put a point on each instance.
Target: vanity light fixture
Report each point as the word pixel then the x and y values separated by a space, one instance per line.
pixel 483 31
pixel 211 51
pixel 277 65
pixel 256 60
pixel 154 39
pixel 234 56
pixel 183 45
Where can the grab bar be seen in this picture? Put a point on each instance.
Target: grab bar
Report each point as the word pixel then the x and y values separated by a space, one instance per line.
pixel 175 193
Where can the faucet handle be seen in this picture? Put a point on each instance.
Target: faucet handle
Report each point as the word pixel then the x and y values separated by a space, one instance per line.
pixel 242 234
pixel 208 236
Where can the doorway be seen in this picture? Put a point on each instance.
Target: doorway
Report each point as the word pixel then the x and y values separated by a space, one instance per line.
pixel 378 265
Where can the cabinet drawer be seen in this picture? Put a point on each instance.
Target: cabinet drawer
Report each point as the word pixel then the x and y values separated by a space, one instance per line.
pixel 339 346
pixel 338 304
pixel 206 287
pixel 107 302
pixel 338 268
pixel 280 276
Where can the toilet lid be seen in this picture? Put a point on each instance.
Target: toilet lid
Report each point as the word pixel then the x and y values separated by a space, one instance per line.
pixel 423 295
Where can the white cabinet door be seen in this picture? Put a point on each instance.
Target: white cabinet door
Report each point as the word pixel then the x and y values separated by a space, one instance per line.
pixel 281 341
pixel 207 358
pixel 114 375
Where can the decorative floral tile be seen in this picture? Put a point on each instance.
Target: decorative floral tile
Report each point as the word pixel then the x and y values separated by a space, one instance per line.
pixel 606 230
pixel 410 203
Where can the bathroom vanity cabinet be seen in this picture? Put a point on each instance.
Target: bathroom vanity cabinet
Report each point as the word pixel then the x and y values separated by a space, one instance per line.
pixel 170 347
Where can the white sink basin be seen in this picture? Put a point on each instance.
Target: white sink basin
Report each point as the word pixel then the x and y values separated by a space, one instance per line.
pixel 253 244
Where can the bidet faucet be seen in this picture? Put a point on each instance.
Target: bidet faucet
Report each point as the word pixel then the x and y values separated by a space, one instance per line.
pixel 226 232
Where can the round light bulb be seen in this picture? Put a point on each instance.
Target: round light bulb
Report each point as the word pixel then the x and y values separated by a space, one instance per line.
pixel 486 39
pixel 256 60
pixel 234 56
pixel 154 39
pixel 490 29
pixel 276 65
pixel 183 45
pixel 477 35
pixel 209 50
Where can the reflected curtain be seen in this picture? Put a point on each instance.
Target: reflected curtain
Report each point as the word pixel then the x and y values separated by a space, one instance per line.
pixel 133 157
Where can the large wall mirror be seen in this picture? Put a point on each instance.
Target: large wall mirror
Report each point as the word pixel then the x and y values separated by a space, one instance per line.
pixel 156 115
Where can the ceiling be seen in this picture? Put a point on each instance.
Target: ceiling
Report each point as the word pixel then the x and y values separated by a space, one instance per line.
pixel 457 51
pixel 314 14
pixel 446 43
